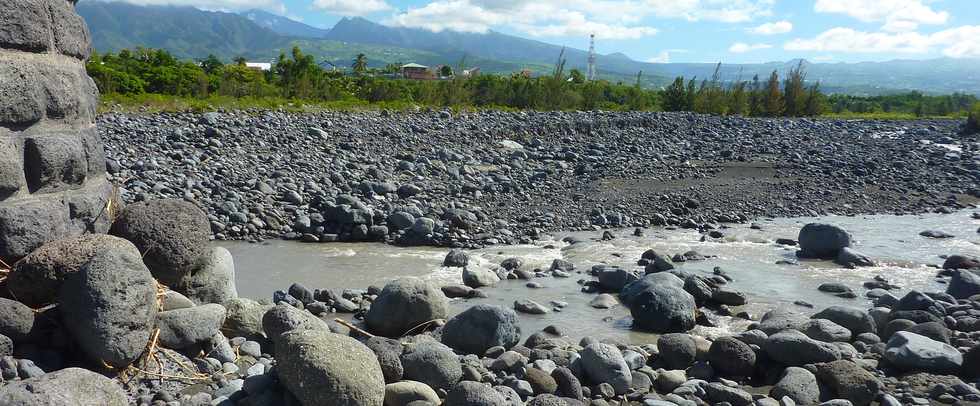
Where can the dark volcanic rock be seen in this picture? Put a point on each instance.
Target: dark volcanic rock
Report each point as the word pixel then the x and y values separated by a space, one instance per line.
pixel 480 327
pixel 109 306
pixel 171 235
pixel 405 304
pixel 822 240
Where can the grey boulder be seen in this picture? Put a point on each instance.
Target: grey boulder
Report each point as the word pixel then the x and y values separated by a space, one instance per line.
pixel 964 284
pixel 470 393
pixel 16 320
pixel 36 279
pixel 109 306
pixel 405 304
pixel 798 384
pixel 172 235
pixel 322 368
pixel 480 327
pixel 66 387
pixel 182 328
pixel 822 240
pixel 910 351
pixel 603 363
pixel 663 308
pixel 479 277
pixel 856 320
pixel 793 348
pixel 284 318
pixel 213 281
pixel 432 363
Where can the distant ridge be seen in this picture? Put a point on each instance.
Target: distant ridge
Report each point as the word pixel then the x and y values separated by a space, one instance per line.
pixel 188 32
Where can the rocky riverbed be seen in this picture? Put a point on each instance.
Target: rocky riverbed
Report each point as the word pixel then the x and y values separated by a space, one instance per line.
pixel 473 179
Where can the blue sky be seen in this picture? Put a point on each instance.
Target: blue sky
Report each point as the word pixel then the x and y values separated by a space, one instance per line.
pixel 730 31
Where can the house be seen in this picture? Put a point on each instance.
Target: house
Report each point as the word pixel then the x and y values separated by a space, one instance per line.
pixel 262 66
pixel 417 72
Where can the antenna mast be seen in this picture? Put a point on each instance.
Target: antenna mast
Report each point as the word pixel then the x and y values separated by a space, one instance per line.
pixel 592 72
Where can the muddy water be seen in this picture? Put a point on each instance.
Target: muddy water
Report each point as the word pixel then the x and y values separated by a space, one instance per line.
pixel 748 255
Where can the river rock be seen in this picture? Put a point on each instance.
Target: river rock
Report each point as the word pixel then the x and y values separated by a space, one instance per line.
pixel 36 279
pixel 389 352
pixel 16 319
pixel 963 284
pixel 632 290
pixel 66 387
pixel 604 301
pixel 480 327
pixel 529 306
pixel 284 318
pixel 822 240
pixel 793 348
pixel 404 392
pixel 910 351
pixel 457 259
pixel 109 305
pixel 479 277
pixel 826 331
pixel 405 304
pixel 782 318
pixel 213 281
pixel 322 368
pixel 244 317
pixel 604 363
pixel 615 279
pixel 936 234
pixel 469 393
pixel 183 328
pixel 850 258
pixel 662 308
pixel 849 381
pixel 731 357
pixel 856 320
pixel 798 384
pixel 677 350
pixel 172 235
pixel 432 363
pixel 961 262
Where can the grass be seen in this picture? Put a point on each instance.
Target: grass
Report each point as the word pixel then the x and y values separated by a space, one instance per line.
pixel 156 103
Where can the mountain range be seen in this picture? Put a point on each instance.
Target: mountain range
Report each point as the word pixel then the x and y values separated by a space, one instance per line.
pixel 188 32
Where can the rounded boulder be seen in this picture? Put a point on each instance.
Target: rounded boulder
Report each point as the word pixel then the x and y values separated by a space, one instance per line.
pixel 322 368
pixel 36 279
pixel 405 304
pixel 480 327
pixel 110 305
pixel 172 235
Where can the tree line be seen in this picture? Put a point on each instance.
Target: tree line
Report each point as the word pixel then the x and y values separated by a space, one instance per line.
pixel 297 77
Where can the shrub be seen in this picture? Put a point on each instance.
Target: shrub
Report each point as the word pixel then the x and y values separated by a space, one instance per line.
pixel 973 120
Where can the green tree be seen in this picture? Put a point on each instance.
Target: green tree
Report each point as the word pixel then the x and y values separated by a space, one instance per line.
pixel 973 120
pixel 692 94
pixel 755 97
pixel 772 98
pixel 359 65
pixel 675 97
pixel 240 60
pixel 814 101
pixel 577 76
pixel 446 71
pixel 794 95
pixel 211 64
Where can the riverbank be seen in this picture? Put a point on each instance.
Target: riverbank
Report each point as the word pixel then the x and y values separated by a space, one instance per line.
pixel 484 178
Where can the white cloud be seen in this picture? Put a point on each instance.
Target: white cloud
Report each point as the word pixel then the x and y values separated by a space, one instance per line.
pixel 897 15
pixel 959 42
pixel 728 11
pixel 221 5
pixel 351 7
pixel 608 19
pixel 778 27
pixel 662 57
pixel 741 47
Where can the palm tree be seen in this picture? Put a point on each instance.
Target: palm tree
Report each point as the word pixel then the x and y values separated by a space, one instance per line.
pixel 360 63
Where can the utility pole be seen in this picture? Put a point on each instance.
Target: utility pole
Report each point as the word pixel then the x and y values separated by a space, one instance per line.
pixel 591 72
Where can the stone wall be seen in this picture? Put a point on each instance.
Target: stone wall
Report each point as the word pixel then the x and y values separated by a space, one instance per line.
pixel 52 163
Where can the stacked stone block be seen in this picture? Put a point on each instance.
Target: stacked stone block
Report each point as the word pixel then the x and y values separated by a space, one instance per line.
pixel 52 163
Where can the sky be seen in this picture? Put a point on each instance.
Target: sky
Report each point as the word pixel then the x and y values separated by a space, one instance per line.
pixel 730 31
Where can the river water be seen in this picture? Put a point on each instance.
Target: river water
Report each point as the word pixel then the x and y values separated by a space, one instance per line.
pixel 748 255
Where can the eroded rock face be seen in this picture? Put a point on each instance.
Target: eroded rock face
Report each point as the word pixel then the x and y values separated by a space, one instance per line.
pixel 52 174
